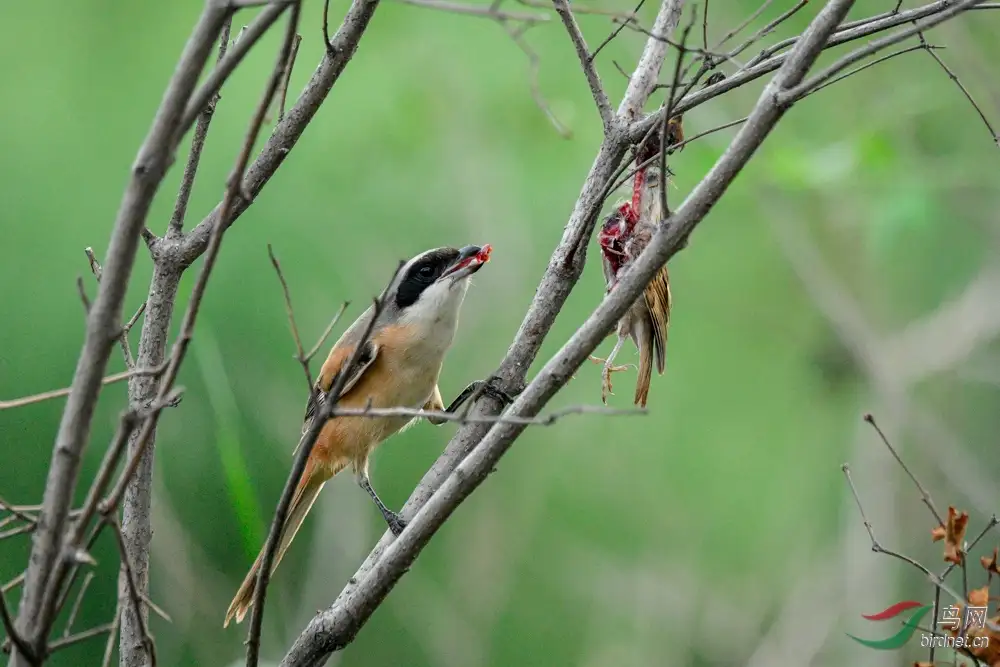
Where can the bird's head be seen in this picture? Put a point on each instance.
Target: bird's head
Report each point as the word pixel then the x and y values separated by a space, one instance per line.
pixel 431 287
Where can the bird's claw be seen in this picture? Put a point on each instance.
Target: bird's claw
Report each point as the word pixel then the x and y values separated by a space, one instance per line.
pixel 396 523
pixel 606 376
pixel 490 389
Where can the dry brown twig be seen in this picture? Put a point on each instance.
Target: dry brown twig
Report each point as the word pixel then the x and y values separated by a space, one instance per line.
pixel 962 548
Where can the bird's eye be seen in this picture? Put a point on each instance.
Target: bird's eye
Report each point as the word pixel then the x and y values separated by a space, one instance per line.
pixel 426 271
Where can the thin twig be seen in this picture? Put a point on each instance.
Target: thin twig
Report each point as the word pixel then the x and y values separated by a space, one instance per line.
pixel 961 86
pixel 872 63
pixel 81 289
pixel 197 144
pixel 260 25
pixel 704 27
pixel 463 418
pixel 57 393
pixel 133 588
pixel 283 95
pixel 13 583
pixel 19 512
pixel 767 62
pixel 109 647
pixel 586 62
pixel 668 115
pixel 857 499
pixel 924 495
pixel 878 548
pixel 476 10
pixel 303 451
pixel 874 46
pixel 300 353
pixel 739 28
pixel 615 33
pixel 76 604
pixel 95 267
pixel 327 331
pixel 533 79
pixel 69 640
pixel 767 29
pixel 155 608
pixel 13 635
pixel 14 532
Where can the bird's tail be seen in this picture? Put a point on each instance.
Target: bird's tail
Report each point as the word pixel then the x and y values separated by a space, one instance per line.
pixel 313 479
pixel 645 373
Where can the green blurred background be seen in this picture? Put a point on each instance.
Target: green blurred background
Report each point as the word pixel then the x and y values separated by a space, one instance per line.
pixel 852 266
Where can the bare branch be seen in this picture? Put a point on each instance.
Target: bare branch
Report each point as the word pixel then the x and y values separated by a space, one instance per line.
pixel 615 33
pixel 76 605
pixel 303 450
pixel 327 331
pixel 109 647
pixel 924 495
pixel 283 93
pixel 517 35
pixel 82 291
pixel 750 19
pixel 767 62
pixel 14 636
pixel 58 393
pixel 596 87
pixel 877 45
pixel 878 548
pixel 300 353
pixel 285 135
pixel 644 78
pixel 477 10
pixel 961 86
pixel 133 591
pixel 197 145
pixel 543 420
pixel 95 267
pixel 133 628
pixel 767 29
pixel 227 64
pixel 104 317
pixel 69 640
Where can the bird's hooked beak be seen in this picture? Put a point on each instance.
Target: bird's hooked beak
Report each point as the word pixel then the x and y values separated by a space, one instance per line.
pixel 470 259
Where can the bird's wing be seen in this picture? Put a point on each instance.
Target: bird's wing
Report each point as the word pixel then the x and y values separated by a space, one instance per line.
pixel 657 296
pixel 332 367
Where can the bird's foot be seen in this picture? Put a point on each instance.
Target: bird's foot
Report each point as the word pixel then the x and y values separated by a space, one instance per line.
pixel 606 375
pixel 396 523
pixel 487 387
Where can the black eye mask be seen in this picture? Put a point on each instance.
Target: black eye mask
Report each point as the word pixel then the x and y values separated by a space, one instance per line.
pixel 422 275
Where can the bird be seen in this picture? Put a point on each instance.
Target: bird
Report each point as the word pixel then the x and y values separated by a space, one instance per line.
pixel 624 234
pixel 399 366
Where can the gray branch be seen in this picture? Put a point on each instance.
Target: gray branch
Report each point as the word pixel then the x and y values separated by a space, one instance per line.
pixel 103 324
